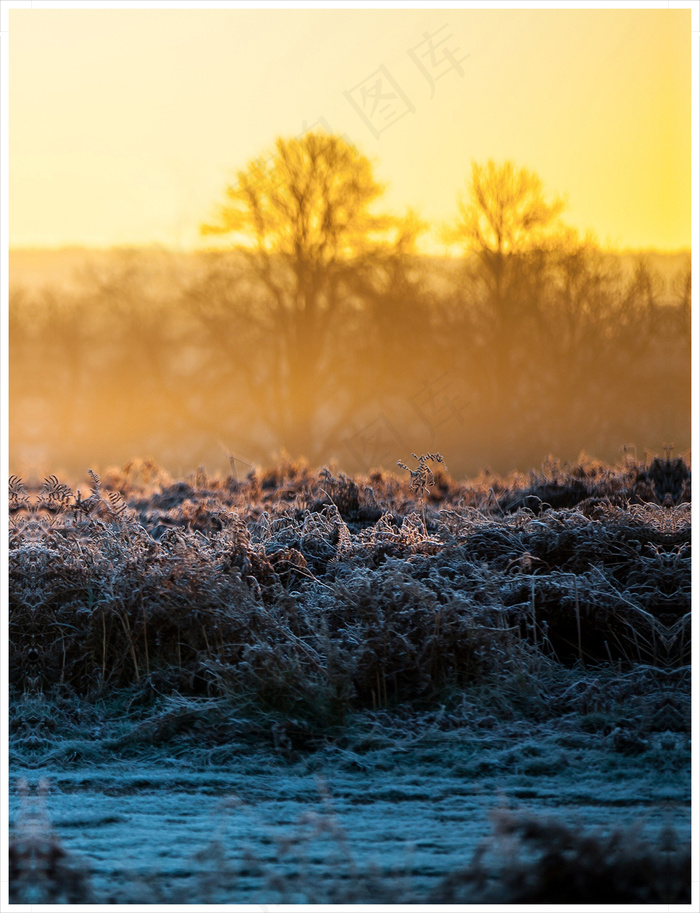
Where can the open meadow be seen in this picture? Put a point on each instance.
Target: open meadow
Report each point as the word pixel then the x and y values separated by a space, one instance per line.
pixel 306 687
pixel 349 454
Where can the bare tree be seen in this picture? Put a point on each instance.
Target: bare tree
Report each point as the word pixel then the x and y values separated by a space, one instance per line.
pixel 304 217
pixel 505 227
pixel 502 217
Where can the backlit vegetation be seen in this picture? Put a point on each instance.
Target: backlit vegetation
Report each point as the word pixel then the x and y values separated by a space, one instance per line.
pixel 316 594
pixel 320 331
pixel 308 614
pixel 307 611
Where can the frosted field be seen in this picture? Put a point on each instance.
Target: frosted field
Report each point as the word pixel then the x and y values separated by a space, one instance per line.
pixel 387 822
pixel 309 688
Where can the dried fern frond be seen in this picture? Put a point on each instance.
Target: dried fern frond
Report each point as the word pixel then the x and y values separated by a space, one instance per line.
pixel 17 493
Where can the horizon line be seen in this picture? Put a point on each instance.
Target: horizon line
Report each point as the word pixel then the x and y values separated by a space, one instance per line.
pixel 162 246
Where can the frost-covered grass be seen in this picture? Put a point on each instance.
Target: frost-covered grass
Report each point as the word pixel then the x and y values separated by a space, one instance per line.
pixel 356 621
pixel 320 594
pixel 156 832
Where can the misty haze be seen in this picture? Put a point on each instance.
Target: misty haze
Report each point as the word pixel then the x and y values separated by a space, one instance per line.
pixel 349 451
pixel 339 343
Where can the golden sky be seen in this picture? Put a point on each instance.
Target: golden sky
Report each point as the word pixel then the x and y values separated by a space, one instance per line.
pixel 126 125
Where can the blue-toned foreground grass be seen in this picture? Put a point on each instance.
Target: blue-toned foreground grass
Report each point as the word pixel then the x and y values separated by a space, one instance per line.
pixel 527 639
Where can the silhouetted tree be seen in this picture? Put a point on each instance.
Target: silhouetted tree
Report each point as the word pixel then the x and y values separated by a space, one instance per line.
pixel 502 217
pixel 505 227
pixel 305 220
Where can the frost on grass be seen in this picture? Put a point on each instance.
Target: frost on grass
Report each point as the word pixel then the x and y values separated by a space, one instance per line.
pixel 315 859
pixel 41 869
pixel 295 609
pixel 530 860
pixel 288 590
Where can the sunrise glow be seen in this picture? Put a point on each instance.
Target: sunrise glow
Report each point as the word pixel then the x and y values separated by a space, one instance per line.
pixel 125 125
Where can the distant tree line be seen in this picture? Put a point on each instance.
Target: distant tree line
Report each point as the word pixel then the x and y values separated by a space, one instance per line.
pixel 323 332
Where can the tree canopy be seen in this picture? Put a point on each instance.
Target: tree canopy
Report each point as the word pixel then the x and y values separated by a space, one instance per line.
pixel 306 218
pixel 311 203
pixel 503 212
